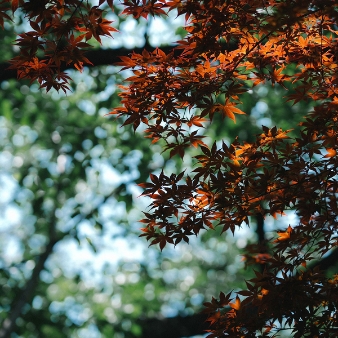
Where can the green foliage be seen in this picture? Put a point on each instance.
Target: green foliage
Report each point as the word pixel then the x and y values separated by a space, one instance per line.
pixel 70 175
pixel 53 197
pixel 36 129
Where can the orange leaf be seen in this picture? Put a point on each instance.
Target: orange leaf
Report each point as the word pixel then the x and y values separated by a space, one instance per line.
pixel 197 121
pixel 229 110
pixel 236 305
pixel 283 236
pixel 330 152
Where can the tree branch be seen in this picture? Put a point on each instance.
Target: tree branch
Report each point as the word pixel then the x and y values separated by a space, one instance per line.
pixel 27 293
pixel 175 327
pixel 326 262
pixel 260 228
pixel 98 57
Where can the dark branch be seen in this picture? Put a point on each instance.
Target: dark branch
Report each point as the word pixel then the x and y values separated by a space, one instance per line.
pixel 98 57
pixel 260 228
pixel 175 327
pixel 327 262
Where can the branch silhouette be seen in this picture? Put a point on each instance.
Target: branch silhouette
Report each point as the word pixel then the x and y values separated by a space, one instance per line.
pixel 98 57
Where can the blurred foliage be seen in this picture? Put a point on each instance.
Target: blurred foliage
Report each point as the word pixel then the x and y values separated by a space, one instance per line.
pixel 68 174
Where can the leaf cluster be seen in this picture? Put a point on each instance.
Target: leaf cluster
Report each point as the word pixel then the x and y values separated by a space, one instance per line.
pixel 230 47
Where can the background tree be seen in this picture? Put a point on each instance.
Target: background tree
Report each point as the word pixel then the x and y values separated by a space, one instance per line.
pixel 231 46
pixel 80 290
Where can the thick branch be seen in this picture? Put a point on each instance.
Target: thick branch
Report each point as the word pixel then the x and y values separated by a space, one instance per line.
pixel 98 57
pixel 260 228
pixel 175 327
pixel 261 242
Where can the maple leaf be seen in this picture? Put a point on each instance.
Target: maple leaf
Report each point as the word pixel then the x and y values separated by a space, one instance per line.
pixel 214 318
pixel 15 5
pixel 229 110
pixel 196 121
pixel 284 235
pixel 330 153
pixel 229 47
pixel 276 76
pixel 236 305
pixel 299 95
pixel 3 16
